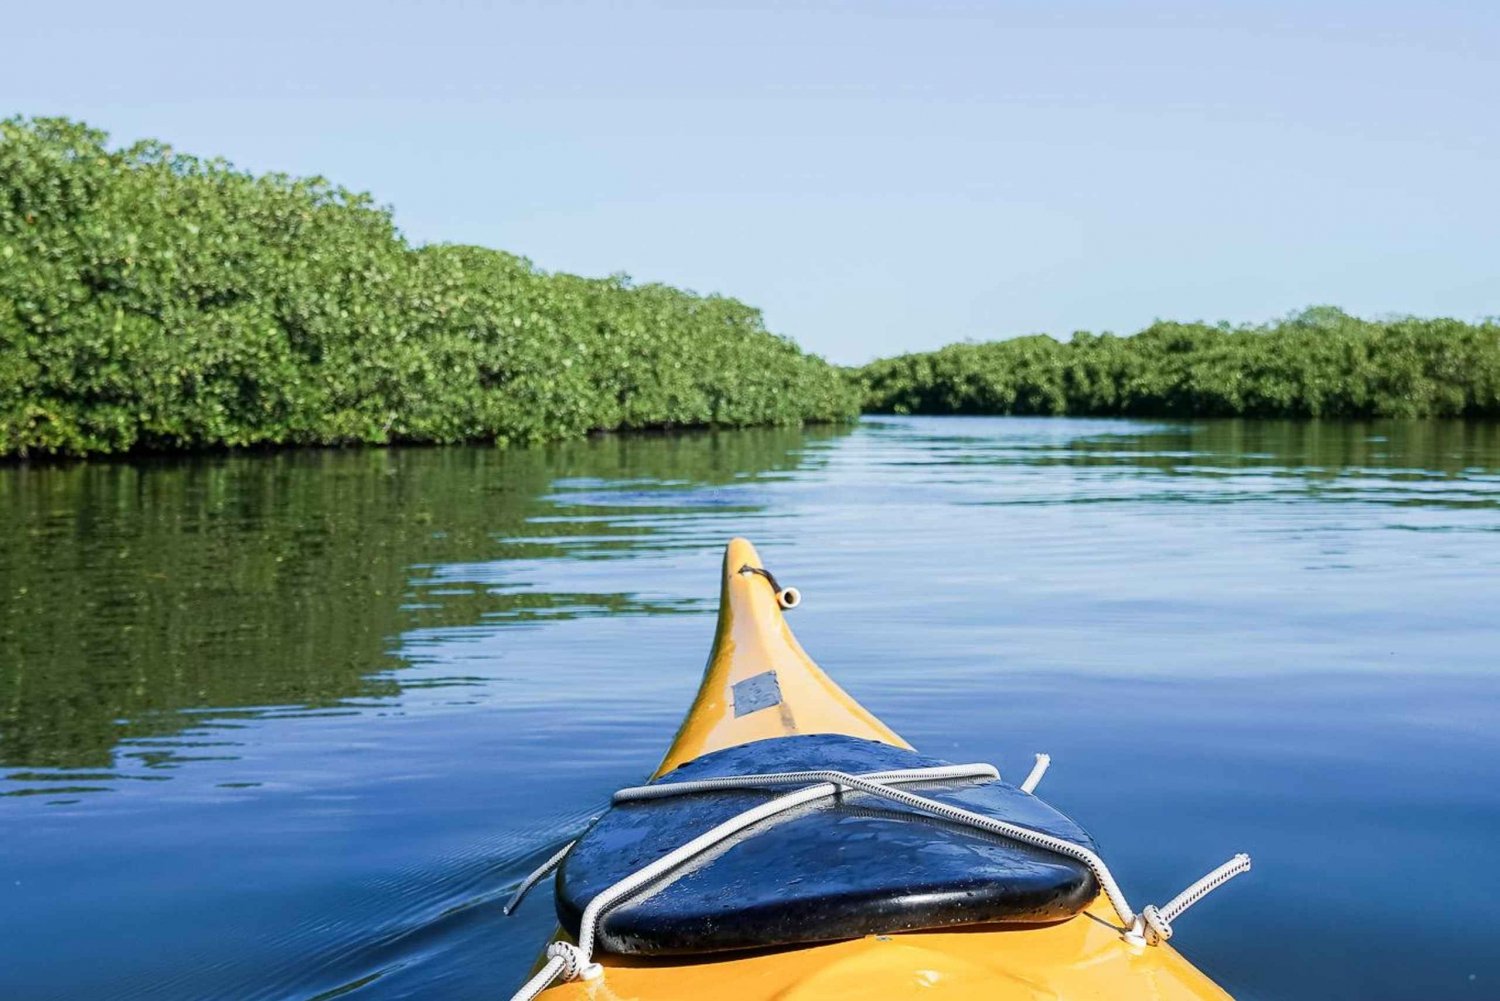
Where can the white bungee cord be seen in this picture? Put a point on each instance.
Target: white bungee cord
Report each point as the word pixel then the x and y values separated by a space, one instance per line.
pixel 565 960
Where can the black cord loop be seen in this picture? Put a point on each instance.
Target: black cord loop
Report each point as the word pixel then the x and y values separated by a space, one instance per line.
pixel 768 575
pixel 787 597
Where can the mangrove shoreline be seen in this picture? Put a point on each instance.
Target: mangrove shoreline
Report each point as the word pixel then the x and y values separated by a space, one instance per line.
pixel 1320 362
pixel 150 300
pixel 153 302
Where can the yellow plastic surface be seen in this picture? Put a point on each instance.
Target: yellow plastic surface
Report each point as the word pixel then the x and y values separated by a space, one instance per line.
pixel 1081 958
pixel 753 637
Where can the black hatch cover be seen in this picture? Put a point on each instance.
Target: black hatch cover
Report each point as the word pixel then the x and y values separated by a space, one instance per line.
pixel 839 868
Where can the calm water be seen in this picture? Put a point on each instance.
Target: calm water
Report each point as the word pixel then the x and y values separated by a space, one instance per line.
pixel 290 726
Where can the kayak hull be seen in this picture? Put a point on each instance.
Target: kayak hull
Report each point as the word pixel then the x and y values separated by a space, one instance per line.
pixel 1085 956
pixel 1077 959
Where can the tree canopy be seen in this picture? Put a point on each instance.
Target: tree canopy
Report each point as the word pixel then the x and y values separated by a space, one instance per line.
pixel 153 300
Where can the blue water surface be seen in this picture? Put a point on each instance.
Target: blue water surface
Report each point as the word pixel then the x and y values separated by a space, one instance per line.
pixel 292 725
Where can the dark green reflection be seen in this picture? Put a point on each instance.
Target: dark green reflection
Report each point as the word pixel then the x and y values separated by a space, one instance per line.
pixel 1439 447
pixel 136 591
pixel 1377 461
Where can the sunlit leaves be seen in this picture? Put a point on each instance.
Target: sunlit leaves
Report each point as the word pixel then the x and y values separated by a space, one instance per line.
pixel 149 299
pixel 1317 363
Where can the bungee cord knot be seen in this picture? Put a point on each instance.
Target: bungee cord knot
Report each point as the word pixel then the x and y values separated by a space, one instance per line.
pixel 576 964
pixel 1151 926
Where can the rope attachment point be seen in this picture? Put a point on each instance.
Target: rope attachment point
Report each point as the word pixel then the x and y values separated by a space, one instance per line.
pixel 576 964
pixel 787 597
pixel 1153 925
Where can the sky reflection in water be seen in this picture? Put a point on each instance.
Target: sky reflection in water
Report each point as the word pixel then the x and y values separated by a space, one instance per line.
pixel 280 725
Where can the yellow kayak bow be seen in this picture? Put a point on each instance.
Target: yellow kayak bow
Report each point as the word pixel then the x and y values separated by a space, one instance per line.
pixel 1085 956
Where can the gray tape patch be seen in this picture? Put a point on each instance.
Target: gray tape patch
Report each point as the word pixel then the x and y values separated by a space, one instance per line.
pixel 761 691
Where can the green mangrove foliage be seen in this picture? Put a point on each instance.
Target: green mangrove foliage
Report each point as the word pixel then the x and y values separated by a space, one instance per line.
pixel 1318 363
pixel 154 300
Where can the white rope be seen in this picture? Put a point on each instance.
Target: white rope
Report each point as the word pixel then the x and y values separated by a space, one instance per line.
pixel 937 773
pixel 565 961
pixel 1153 925
pixel 1223 874
pixel 956 814
pixel 1043 762
pixel 536 877
pixel 568 961
pixel 1159 919
pixel 682 788
pixel 540 980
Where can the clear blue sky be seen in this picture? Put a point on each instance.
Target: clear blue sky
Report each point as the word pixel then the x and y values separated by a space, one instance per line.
pixel 878 177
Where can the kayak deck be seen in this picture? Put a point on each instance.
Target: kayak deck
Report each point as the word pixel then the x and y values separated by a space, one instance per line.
pixel 1082 957
pixel 838 868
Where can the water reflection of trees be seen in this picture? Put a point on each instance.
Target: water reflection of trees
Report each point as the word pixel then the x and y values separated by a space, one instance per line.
pixel 136 590
pixel 1430 446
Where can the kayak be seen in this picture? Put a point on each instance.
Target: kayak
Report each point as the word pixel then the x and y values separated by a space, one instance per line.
pixel 793 846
